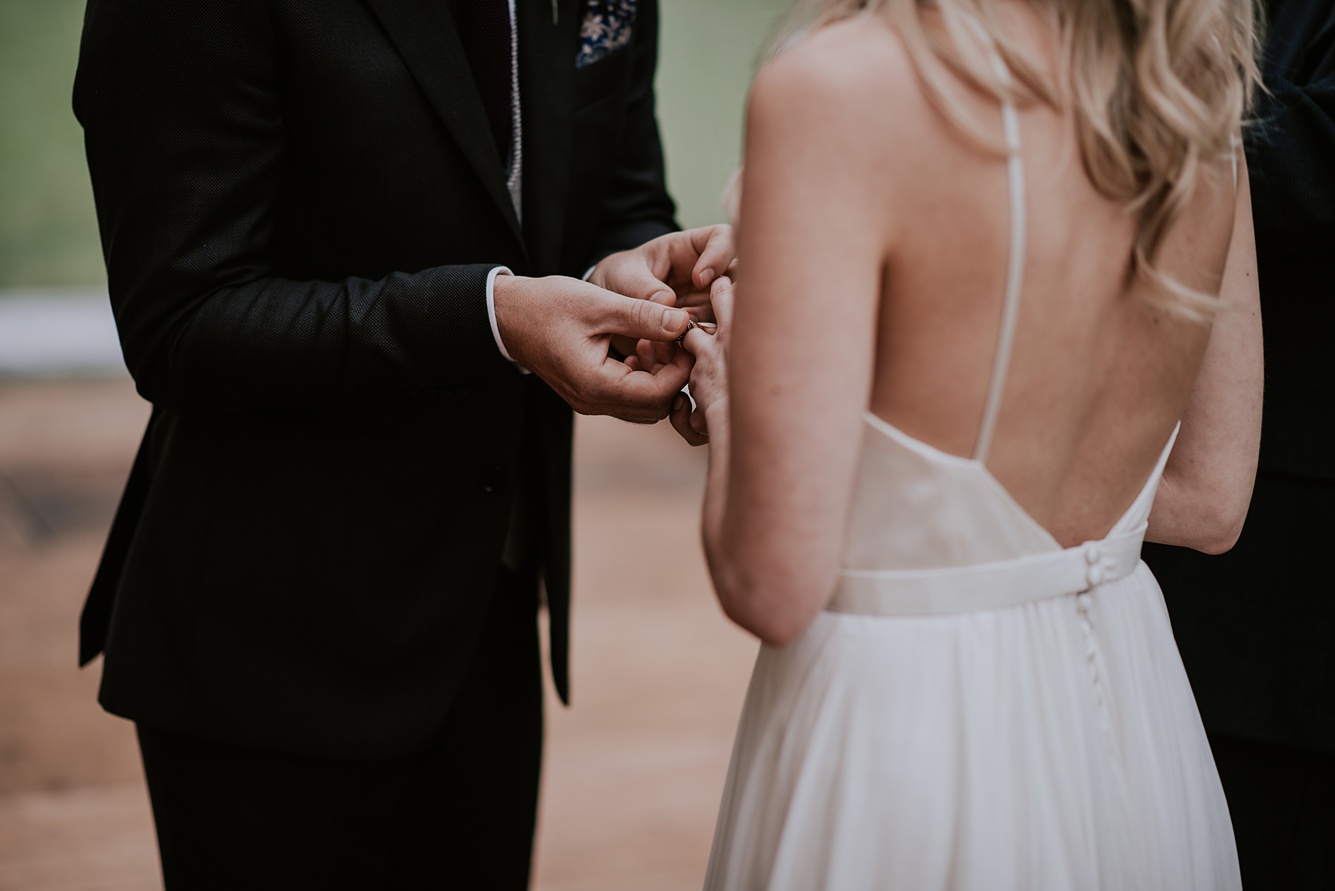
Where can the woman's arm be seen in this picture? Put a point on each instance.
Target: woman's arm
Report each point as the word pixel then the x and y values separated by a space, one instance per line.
pixel 1207 484
pixel 797 349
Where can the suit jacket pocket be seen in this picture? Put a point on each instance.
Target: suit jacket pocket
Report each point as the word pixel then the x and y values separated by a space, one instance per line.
pixel 601 80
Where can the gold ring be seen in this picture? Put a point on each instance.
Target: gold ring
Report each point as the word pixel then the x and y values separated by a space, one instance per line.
pixel 690 323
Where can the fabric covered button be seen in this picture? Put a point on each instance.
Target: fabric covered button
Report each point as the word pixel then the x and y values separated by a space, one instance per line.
pixel 1095 575
pixel 1093 553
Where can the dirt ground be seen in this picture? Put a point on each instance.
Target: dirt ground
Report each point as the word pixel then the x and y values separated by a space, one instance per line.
pixel 633 770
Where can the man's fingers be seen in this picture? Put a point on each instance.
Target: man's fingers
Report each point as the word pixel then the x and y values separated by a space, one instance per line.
pixel 716 251
pixel 625 392
pixel 624 346
pixel 642 319
pixel 630 273
pixel 649 396
pixel 720 297
pixel 654 354
pixel 670 266
pixel 637 281
pixel 680 418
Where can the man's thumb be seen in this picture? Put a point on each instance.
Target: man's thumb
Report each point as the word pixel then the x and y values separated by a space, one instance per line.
pixel 644 320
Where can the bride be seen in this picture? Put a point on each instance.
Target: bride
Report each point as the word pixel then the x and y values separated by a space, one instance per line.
pixel 995 252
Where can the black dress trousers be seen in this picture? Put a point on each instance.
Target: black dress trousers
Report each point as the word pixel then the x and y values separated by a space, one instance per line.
pixel 458 813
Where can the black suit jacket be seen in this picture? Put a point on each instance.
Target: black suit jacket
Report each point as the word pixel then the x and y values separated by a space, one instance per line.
pixel 299 206
pixel 1256 626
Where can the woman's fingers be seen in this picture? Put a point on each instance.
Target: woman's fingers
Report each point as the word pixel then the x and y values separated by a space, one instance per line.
pixel 698 422
pixel 691 340
pixel 720 297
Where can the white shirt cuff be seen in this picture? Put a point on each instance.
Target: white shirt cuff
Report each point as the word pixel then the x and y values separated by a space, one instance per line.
pixel 491 314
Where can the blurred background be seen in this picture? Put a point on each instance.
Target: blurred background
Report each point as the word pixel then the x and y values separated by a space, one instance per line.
pixel 633 771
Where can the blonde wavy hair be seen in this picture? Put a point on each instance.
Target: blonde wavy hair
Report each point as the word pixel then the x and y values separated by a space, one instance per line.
pixel 1157 89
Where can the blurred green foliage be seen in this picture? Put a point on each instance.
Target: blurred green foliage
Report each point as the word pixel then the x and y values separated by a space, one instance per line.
pixel 708 54
pixel 48 232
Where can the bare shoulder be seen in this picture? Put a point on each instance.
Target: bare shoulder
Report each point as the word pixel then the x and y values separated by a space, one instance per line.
pixel 849 78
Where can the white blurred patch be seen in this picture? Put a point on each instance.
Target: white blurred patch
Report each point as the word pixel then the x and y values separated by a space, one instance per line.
pixel 58 332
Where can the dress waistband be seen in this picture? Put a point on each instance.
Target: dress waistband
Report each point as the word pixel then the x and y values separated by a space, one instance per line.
pixel 985 586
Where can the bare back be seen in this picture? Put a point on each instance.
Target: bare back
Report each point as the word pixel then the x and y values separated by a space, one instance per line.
pixel 875 237
pixel 1097 379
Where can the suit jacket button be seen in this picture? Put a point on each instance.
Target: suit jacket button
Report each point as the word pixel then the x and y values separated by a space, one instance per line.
pixel 493 479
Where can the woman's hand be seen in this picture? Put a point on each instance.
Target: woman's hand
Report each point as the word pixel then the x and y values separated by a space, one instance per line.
pixel 709 376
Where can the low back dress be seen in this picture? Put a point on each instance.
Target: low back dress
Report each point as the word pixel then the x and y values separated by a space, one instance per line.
pixel 978 707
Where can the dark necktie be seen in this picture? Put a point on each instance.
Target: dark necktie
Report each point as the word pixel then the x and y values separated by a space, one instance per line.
pixel 484 27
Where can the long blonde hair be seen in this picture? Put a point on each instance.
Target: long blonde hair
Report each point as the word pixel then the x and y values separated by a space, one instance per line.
pixel 1157 89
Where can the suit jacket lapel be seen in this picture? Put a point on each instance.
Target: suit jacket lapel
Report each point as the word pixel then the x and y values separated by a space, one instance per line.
pixel 547 51
pixel 425 37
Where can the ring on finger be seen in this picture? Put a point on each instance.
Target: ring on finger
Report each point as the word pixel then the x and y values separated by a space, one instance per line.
pixel 690 323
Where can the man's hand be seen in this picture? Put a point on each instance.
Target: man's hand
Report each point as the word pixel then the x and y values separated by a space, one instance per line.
pixel 560 329
pixel 674 269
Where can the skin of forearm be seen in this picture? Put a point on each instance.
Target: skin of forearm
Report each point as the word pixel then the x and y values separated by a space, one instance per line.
pixel 716 492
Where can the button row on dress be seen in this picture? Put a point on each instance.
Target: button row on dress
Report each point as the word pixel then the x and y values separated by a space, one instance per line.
pixel 1099 568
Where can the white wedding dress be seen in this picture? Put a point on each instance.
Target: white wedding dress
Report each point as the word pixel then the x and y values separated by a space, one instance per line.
pixel 978 708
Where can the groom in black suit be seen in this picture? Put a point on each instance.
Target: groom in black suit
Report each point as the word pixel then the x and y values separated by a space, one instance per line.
pixel 319 597
pixel 1256 626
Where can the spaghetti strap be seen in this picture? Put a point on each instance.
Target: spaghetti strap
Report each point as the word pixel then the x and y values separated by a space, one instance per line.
pixel 1014 267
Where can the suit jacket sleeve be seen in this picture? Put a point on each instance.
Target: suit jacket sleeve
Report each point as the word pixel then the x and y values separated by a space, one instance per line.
pixel 637 206
pixel 184 122
pixel 1291 145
